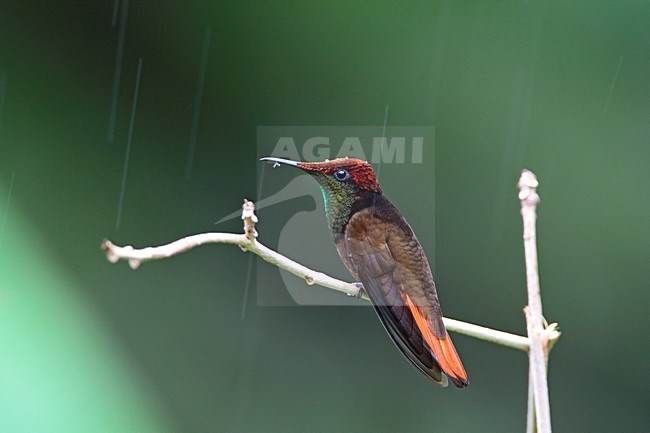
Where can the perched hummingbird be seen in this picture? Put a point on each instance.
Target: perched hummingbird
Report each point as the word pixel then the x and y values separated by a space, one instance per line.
pixel 381 251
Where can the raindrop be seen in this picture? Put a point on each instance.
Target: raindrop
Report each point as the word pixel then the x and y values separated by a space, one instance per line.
pixel 197 104
pixel 128 145
pixel 119 58
pixel 6 212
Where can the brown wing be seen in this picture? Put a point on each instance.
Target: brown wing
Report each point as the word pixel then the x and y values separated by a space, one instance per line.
pixel 387 258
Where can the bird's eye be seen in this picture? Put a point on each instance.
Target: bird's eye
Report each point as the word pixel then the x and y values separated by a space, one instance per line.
pixel 341 175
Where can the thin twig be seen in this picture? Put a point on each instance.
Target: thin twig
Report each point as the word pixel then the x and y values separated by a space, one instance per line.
pixel 487 334
pixel 537 335
pixel 248 242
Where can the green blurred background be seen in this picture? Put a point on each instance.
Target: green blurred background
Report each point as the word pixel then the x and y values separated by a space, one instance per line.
pixel 561 88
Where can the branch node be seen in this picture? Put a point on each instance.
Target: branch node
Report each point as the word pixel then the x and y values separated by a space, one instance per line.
pixel 550 335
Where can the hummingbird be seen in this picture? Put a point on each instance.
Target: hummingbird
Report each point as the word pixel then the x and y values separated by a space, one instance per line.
pixel 381 251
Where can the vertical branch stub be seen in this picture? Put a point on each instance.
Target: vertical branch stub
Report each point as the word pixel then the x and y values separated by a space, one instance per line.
pixel 250 219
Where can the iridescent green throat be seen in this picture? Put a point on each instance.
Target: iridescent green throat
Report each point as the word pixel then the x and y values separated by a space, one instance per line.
pixel 338 198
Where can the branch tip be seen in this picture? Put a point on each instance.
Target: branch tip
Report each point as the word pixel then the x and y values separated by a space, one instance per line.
pixel 528 187
pixel 108 247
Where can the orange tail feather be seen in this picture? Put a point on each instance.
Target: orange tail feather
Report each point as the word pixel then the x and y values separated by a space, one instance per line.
pixel 443 349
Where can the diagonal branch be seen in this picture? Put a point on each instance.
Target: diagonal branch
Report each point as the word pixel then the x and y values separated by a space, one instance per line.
pixel 248 242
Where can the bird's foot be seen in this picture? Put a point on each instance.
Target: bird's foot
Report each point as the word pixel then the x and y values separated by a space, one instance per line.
pixel 361 290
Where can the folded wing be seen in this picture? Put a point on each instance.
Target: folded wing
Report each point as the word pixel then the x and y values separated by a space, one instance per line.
pixel 397 278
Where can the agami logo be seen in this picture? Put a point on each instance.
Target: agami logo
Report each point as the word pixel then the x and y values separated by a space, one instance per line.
pixel 384 149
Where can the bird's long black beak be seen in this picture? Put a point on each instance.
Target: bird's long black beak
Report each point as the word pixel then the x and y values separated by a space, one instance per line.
pixel 280 161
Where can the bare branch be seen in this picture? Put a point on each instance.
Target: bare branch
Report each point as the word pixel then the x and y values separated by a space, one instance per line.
pixel 248 242
pixel 487 334
pixel 537 335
